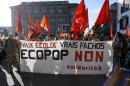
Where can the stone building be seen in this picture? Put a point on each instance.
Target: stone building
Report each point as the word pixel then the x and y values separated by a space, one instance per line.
pixel 57 13
pixel 114 9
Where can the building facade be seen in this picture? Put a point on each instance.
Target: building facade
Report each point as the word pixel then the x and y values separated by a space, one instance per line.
pixel 57 13
pixel 113 9
pixel 4 31
pixel 123 15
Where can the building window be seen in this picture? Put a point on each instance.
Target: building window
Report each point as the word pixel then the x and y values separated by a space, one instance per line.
pixel 36 10
pixel 66 27
pixel 124 22
pixel 63 28
pixel 53 29
pixel 52 20
pixel 71 18
pixel 72 11
pixel 60 20
pixel 23 11
pixel 28 10
pixel 59 10
pixel 51 10
pixel 125 6
pixel 44 10
pixel 66 10
pixel 66 20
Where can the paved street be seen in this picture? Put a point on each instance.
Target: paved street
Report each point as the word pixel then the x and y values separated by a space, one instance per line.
pixel 28 79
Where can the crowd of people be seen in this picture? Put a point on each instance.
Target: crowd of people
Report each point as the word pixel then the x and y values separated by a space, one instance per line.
pixel 120 58
pixel 10 47
pixel 9 52
pixel 91 35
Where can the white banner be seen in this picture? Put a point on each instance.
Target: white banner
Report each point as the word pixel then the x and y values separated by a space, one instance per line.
pixel 66 57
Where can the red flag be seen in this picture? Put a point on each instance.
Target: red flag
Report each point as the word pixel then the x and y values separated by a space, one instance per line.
pixel 45 24
pixel 31 25
pixel 127 31
pixel 37 28
pixel 18 23
pixel 81 17
pixel 104 15
pixel 83 21
pixel 30 33
pixel 80 10
pixel 75 29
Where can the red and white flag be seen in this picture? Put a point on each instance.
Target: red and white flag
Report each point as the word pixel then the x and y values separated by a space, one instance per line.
pixel 45 24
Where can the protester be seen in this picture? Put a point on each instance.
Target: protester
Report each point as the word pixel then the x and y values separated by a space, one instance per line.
pixel 119 55
pixel 17 53
pixel 11 52
pixel 117 47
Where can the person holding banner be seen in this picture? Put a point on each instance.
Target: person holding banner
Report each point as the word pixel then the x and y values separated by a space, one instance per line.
pixel 11 53
pixel 118 46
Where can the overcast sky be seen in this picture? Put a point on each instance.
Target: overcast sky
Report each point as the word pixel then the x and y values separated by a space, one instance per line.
pixel 94 7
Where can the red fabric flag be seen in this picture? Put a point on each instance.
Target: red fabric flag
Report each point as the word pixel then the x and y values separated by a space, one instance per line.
pixel 83 21
pixel 80 10
pixel 37 28
pixel 104 15
pixel 18 23
pixel 127 31
pixel 45 24
pixel 31 25
pixel 81 17
pixel 75 29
